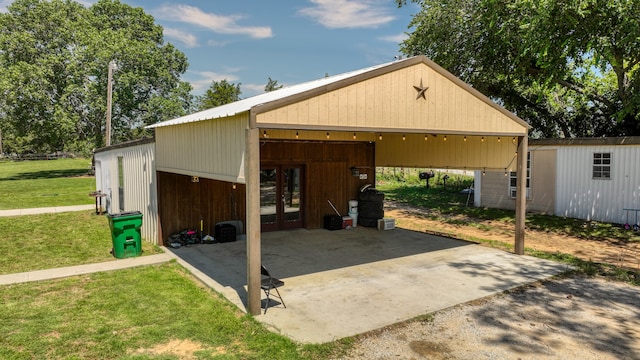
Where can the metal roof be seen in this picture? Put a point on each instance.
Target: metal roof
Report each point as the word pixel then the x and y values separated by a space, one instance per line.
pixel 244 105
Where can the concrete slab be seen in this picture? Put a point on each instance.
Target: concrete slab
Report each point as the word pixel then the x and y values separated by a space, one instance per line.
pixel 346 282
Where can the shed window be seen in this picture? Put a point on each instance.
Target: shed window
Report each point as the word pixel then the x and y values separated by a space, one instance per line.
pixel 513 179
pixel 602 165
pixel 120 184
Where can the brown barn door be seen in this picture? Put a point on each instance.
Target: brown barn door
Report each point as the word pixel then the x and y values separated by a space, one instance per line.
pixel 281 197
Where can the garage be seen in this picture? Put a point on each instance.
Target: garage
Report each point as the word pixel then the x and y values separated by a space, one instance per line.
pixel 274 161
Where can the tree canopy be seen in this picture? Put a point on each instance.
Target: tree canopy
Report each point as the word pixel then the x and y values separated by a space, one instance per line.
pixel 219 93
pixel 55 54
pixel 272 85
pixel 570 68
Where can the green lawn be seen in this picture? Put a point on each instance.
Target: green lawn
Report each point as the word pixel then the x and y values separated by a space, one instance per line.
pixel 36 242
pixel 134 314
pixel 45 183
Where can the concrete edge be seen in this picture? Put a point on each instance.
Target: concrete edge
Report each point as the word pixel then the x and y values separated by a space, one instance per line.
pixel 57 273
pixel 229 294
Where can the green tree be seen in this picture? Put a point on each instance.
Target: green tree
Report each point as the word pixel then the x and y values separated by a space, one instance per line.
pixel 219 93
pixel 55 56
pixel 570 68
pixel 272 85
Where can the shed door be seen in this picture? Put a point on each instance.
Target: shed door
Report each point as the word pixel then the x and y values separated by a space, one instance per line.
pixel 281 197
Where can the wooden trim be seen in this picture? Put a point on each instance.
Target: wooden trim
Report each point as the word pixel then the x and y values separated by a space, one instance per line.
pixel 521 195
pixel 252 174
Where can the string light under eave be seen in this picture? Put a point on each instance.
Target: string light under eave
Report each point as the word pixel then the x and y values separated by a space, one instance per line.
pixel 425 137
pixel 297 135
pixel 354 136
pixel 264 134
pixel 482 139
pixel 404 137
pixel 445 138
pixel 380 137
pixel 498 138
pixel 465 138
pixel 484 171
pixel 328 135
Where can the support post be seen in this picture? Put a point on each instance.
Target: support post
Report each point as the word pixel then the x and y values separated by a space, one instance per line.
pixel 521 194
pixel 254 258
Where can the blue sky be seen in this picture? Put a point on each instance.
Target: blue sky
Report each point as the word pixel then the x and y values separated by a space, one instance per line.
pixel 291 41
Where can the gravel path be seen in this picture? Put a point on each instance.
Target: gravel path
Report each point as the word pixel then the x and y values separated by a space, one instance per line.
pixel 571 318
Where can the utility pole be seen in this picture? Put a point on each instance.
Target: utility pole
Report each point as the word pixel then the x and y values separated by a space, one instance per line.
pixel 112 67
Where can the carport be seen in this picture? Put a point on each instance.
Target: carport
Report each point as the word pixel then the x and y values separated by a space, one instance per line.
pixel 333 289
pixel 409 113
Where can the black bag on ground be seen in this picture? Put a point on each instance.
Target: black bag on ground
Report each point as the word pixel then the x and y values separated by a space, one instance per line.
pixel 225 233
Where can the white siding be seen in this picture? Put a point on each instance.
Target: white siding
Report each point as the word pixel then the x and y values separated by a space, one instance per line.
pixel 580 196
pixel 139 184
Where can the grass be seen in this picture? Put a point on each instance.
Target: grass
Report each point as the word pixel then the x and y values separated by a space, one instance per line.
pixel 127 314
pixel 132 314
pixel 45 183
pixel 35 242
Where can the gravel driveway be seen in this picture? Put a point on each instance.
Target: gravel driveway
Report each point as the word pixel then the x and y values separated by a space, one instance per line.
pixel 570 318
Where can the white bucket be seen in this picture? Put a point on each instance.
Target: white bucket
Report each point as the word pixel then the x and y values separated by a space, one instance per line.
pixel 354 216
pixel 353 206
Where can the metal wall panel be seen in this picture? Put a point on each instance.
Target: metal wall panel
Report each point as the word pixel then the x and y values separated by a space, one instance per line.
pixel 213 149
pixel 140 193
pixel 581 196
pixel 389 102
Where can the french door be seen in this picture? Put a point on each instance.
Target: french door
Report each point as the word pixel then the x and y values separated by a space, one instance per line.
pixel 281 197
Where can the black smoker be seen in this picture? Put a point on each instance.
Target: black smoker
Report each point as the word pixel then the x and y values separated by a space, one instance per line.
pixel 426 176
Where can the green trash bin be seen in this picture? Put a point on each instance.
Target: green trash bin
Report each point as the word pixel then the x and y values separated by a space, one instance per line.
pixel 125 233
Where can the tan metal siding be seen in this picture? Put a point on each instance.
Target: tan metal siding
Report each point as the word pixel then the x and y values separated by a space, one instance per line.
pixel 494 192
pixel 388 102
pixel 454 153
pixel 543 181
pixel 213 149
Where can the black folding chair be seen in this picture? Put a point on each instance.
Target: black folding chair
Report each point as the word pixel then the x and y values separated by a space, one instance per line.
pixel 270 283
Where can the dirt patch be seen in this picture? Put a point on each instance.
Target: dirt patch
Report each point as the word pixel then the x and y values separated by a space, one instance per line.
pixel 572 318
pixel 617 253
pixel 183 349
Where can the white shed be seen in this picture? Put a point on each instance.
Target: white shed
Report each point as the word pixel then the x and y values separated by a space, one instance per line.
pixel 126 174
pixel 585 178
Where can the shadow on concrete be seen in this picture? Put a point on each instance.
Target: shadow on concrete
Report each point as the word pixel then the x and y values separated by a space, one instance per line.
pixel 302 252
pixel 372 278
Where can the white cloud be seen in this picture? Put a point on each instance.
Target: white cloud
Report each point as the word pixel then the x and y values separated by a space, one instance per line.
pixel 217 43
pixel 394 38
pixel 217 23
pixel 189 40
pixel 205 78
pixel 336 14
